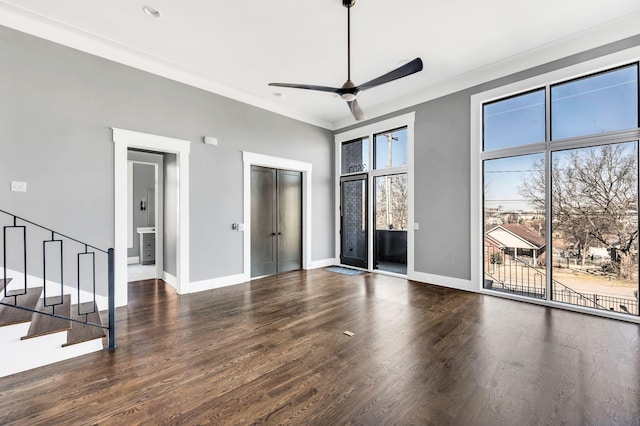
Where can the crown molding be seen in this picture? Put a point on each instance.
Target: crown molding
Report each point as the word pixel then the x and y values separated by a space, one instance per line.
pixel 66 35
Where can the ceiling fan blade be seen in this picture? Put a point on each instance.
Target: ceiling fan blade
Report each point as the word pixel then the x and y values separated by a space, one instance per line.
pixel 356 110
pixel 306 87
pixel 403 71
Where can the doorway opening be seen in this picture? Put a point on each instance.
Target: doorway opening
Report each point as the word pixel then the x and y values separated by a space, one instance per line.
pixel 175 268
pixel 391 223
pixel 145 197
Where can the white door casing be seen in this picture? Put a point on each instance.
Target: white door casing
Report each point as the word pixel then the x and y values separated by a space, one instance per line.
pixel 123 140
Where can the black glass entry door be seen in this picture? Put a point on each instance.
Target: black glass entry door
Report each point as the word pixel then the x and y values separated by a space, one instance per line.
pixel 353 221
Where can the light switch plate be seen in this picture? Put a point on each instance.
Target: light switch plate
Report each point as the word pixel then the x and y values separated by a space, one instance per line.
pixel 416 226
pixel 17 186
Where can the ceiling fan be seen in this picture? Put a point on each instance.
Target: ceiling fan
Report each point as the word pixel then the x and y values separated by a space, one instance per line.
pixel 349 91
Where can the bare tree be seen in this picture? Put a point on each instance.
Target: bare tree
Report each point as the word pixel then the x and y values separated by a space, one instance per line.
pixel 392 212
pixel 594 196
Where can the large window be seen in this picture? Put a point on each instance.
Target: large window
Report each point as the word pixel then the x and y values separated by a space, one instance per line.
pixel 560 192
pixel 374 195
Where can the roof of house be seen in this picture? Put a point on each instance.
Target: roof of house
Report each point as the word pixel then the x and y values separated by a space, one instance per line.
pixel 521 232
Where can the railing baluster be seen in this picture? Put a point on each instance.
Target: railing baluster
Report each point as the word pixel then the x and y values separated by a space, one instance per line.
pixel 112 302
pixel 89 250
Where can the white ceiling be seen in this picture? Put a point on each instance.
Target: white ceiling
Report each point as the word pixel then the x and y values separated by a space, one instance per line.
pixel 235 48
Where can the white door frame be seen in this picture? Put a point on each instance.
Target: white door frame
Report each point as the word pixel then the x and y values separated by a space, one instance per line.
pixel 252 159
pixel 123 140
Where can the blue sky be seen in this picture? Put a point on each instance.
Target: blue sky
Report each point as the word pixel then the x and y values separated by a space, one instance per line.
pixel 399 149
pixel 503 178
pixel 602 103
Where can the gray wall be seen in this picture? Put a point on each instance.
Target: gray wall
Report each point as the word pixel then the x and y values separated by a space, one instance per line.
pixel 442 176
pixel 56 109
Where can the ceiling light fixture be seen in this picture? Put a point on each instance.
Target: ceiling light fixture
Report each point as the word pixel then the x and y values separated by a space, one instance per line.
pixel 151 11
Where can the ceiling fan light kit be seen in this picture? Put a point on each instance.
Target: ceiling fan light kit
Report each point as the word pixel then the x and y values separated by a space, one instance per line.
pixel 349 91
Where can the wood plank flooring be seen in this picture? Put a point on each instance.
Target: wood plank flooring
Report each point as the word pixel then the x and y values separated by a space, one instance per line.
pixel 273 351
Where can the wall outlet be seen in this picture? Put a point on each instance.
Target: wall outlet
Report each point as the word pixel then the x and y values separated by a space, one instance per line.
pixel 17 186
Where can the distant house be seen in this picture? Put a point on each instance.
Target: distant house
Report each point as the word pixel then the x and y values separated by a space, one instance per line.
pixel 517 241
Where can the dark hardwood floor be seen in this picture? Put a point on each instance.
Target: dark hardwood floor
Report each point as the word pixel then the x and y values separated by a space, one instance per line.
pixel 273 351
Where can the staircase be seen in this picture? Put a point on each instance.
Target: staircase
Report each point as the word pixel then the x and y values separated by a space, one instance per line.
pixel 42 318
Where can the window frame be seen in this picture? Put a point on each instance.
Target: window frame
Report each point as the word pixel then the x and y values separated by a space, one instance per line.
pixel 369 131
pixel 478 156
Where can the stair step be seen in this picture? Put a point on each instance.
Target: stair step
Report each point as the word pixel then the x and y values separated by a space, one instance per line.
pixel 4 282
pixel 45 324
pixel 80 333
pixel 10 315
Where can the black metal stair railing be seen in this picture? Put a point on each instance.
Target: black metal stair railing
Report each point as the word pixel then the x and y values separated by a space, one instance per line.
pixel 56 240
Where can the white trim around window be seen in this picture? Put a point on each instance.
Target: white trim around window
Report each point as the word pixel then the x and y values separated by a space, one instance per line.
pixel 405 120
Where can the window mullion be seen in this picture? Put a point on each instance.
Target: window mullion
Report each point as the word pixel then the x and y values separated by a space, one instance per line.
pixel 548 211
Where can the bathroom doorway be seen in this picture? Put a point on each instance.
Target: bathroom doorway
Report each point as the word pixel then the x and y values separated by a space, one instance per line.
pixel 145 201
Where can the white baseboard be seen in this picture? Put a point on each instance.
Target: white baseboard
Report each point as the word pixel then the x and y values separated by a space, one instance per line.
pixel 443 281
pixel 170 279
pixel 196 286
pixel 323 263
pixel 22 355
pixel 133 260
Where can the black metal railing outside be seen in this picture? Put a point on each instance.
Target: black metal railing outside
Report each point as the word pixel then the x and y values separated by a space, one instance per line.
pixel 517 276
pixel 57 240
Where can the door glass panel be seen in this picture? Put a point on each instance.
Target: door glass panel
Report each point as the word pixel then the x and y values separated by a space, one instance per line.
pixel 595 227
pixel 263 222
pixel 391 223
pixel 596 104
pixel 355 156
pixel 514 225
pixel 391 149
pixel 354 221
pixel 514 121
pixel 289 220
